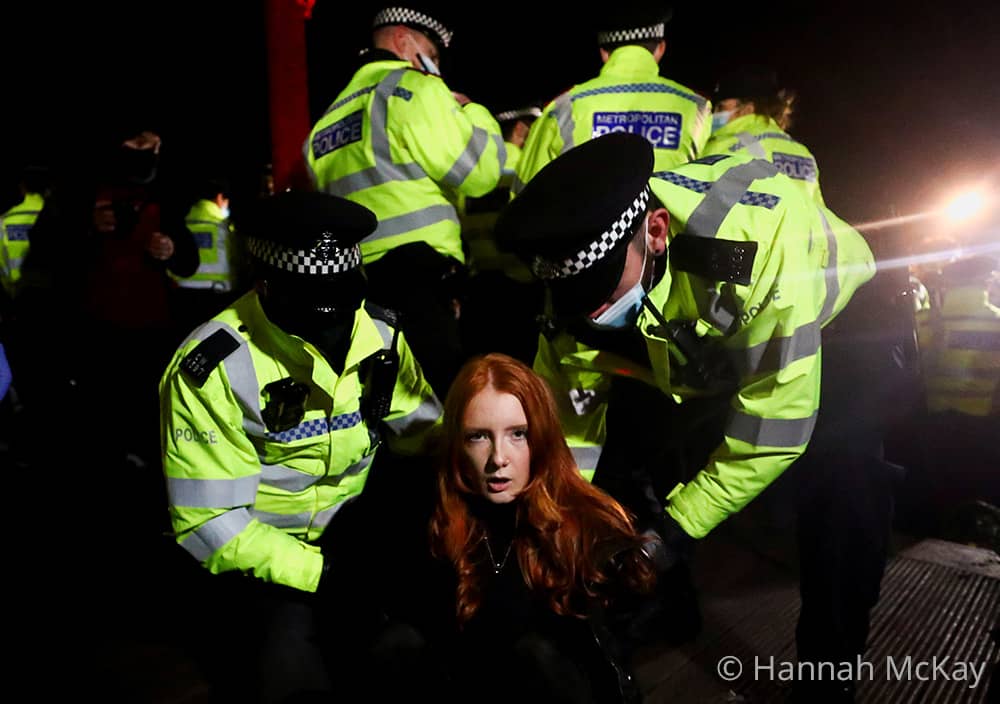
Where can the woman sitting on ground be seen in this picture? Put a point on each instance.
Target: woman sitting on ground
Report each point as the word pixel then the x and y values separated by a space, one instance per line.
pixel 545 565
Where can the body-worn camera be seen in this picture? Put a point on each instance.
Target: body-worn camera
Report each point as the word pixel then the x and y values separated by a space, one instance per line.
pixel 286 404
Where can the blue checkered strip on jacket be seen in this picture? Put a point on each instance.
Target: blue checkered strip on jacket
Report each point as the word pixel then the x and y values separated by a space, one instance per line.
pixel 398 92
pixel 597 250
pixel 331 260
pixel 320 426
pixel 344 101
pixel 404 15
pixel 638 88
pixel 634 34
pixel 764 135
pixel 764 200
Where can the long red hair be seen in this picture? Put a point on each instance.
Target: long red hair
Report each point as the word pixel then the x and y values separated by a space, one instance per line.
pixel 567 529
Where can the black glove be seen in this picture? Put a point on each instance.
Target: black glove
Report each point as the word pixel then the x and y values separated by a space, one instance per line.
pixel 667 544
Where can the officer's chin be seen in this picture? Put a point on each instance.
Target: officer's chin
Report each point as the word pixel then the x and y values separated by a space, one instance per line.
pixel 321 326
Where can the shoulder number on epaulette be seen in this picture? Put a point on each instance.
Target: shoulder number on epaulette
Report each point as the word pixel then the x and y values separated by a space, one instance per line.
pixel 200 362
pixel 714 258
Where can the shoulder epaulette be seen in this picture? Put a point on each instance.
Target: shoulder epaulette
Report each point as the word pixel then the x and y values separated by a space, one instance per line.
pixel 200 362
pixel 713 258
pixel 386 315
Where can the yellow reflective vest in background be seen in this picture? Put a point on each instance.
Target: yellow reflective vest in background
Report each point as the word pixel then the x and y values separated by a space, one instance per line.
pixel 478 217
pixel 628 95
pixel 216 249
pixel 15 231
pixel 246 498
pixel 759 136
pixel 807 266
pixel 396 141
pixel 960 350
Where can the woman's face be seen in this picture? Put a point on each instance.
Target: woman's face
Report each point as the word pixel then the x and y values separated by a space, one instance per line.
pixel 495 443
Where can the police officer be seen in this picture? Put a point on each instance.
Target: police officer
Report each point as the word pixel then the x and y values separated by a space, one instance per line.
pixel 693 377
pixel 502 298
pixel 272 414
pixel 629 95
pixel 752 116
pixel 399 142
pixel 15 227
pixel 220 276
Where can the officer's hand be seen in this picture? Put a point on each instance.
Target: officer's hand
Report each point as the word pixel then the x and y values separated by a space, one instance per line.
pixel 667 545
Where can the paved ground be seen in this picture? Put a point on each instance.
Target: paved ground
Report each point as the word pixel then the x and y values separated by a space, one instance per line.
pixel 940 599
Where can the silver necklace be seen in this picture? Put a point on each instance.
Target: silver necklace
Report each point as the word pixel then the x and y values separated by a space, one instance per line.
pixel 497 566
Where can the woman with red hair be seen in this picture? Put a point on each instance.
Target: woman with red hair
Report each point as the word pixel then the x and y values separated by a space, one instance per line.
pixel 544 563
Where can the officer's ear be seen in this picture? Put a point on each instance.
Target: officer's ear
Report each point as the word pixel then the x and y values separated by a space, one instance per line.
pixel 660 50
pixel 659 231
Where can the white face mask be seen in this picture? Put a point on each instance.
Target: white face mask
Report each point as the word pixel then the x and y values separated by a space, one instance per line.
pixel 721 118
pixel 625 311
pixel 225 211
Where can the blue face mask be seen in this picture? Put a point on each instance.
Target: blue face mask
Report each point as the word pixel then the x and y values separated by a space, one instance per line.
pixel 429 66
pixel 721 118
pixel 625 311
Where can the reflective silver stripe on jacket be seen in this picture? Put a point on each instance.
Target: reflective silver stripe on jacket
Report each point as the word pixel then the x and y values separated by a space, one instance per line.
pixel 777 353
pixel 242 377
pixel 720 308
pixel 385 170
pixel 725 193
pixel 324 517
pixel 293 481
pixel 221 265
pixel 212 493
pixel 401 224
pixel 752 143
pixel 473 153
pixel 831 274
pixel 562 113
pixel 770 432
pixel 290 521
pixel 215 533
pixel 587 457
pixel 425 414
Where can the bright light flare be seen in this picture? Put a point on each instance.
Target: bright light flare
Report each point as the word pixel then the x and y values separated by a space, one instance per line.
pixel 965 206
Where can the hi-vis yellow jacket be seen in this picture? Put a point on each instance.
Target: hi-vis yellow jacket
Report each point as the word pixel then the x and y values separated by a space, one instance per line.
pixel 760 137
pixel 629 95
pixel 808 264
pixel 396 141
pixel 219 263
pixel 478 217
pixel 15 228
pixel 960 350
pixel 243 497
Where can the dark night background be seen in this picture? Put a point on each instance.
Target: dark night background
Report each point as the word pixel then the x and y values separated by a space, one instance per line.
pixel 899 102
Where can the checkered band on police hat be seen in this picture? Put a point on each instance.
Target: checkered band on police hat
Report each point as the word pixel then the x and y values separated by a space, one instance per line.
pixel 404 15
pixel 597 250
pixel 635 34
pixel 323 259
